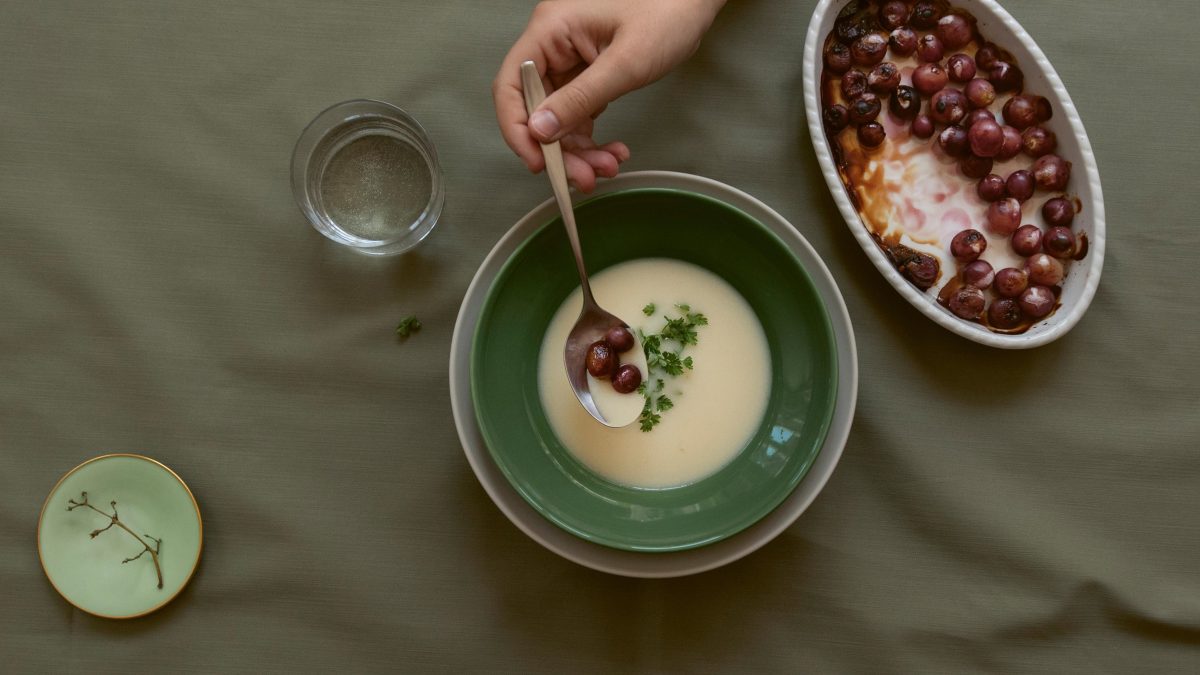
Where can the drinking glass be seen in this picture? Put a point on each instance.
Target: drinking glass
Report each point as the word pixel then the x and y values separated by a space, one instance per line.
pixel 366 175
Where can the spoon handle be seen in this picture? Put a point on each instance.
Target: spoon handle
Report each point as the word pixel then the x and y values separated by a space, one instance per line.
pixel 556 169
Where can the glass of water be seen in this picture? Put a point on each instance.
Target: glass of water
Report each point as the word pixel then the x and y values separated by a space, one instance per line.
pixel 366 175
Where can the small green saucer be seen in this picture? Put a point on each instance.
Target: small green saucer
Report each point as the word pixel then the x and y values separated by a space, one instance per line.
pixel 88 570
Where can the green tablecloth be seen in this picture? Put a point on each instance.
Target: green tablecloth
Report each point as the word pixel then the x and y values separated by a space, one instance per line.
pixel 161 293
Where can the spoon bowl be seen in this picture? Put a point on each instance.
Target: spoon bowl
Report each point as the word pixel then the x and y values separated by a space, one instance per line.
pixel 592 325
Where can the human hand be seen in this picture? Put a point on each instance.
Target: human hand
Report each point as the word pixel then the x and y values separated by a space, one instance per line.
pixel 589 54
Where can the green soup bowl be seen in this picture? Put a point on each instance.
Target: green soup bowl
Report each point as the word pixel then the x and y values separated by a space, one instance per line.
pixel 654 223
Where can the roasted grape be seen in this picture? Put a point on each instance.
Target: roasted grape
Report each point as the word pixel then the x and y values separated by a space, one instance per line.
pixel 1004 216
pixel 986 136
pixel 953 141
pixel 987 56
pixel 1058 211
pixel 905 103
pixel 961 68
pixel 925 14
pixel 968 245
pixel 864 109
pixel 1037 301
pixel 1020 112
pixel 627 379
pixel 1004 313
pixel 620 338
pixel 837 58
pixel 1059 242
pixel 1026 110
pixel 921 269
pixel 871 135
pixel 929 78
pixel 977 115
pixel 852 23
pixel 974 166
pixel 854 84
pixel 978 273
pixel 836 118
pixel 967 302
pixel 847 33
pixel 893 14
pixel 1004 76
pixel 1044 270
pixel 954 31
pixel 980 93
pixel 929 48
pixel 990 188
pixel 922 125
pixel 948 106
pixel 1042 105
pixel 601 359
pixel 1038 141
pixel 884 78
pixel 1020 185
pixel 1027 240
pixel 903 41
pixel 1010 282
pixel 1051 172
pixel 1011 147
pixel 868 49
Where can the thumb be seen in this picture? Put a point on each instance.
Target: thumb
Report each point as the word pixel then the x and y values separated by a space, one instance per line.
pixel 580 99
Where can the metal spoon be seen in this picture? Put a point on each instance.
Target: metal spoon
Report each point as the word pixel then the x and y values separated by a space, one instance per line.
pixel 593 322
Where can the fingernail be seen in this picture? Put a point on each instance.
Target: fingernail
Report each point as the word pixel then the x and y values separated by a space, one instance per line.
pixel 544 123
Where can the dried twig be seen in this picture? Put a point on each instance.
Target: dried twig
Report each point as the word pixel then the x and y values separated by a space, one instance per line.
pixel 114 519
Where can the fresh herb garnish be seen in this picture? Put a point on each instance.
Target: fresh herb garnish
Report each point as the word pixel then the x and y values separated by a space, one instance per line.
pixel 649 418
pixel 683 329
pixel 408 325
pixel 672 364
pixel 664 358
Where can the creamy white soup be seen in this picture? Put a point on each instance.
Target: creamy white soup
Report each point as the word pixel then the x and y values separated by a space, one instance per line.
pixel 717 405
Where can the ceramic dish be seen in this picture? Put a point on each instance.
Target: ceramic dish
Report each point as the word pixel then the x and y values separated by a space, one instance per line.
pixel 88 570
pixel 1040 77
pixel 650 223
pixel 661 564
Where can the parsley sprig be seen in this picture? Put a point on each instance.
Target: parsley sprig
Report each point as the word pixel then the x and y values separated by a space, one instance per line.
pixel 408 325
pixel 664 358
